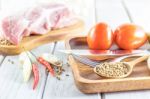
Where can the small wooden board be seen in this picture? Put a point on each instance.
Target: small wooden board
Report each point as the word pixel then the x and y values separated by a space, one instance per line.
pixel 89 82
pixel 34 41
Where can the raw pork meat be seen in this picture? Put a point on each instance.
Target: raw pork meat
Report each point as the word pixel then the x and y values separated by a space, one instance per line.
pixel 13 28
pixel 37 20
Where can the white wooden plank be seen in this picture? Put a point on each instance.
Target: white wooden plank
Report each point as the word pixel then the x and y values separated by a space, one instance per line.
pixel 111 12
pixel 128 95
pixel 11 6
pixel 11 80
pixel 138 10
pixel 21 90
pixel 1 59
pixel 87 13
pixel 64 88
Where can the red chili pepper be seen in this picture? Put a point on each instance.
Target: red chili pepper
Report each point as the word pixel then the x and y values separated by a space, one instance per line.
pixel 36 75
pixel 46 64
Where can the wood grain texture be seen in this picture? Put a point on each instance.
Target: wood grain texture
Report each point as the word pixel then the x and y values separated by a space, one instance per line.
pixel 1 59
pixel 111 12
pixel 64 88
pixel 128 95
pixel 138 11
pixel 89 82
pixel 37 40
pixel 11 82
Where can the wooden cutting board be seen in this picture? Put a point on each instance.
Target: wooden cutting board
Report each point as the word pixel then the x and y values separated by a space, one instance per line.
pixel 88 81
pixel 34 41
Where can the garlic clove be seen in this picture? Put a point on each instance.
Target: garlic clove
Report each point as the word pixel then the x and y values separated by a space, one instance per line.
pixel 25 65
pixel 27 69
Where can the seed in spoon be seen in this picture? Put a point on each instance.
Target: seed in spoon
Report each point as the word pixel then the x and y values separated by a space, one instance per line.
pixel 112 70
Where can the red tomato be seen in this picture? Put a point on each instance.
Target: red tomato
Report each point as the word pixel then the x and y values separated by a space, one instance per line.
pixel 130 36
pixel 100 37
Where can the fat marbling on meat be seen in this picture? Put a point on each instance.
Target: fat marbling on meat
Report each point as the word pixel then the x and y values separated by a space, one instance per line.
pixel 37 20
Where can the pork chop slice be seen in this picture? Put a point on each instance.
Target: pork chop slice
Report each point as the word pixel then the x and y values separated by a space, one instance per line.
pixel 37 20
pixel 45 17
pixel 58 15
pixel 13 28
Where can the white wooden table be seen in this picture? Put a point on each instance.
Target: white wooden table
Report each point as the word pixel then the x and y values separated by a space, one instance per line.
pixel 114 12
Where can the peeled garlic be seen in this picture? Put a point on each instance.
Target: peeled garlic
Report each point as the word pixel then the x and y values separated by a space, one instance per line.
pixel 22 58
pixel 26 65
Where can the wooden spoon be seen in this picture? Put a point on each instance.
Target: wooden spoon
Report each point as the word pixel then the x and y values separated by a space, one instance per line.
pixel 128 65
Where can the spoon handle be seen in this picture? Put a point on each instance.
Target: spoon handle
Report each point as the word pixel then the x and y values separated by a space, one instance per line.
pixel 139 60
